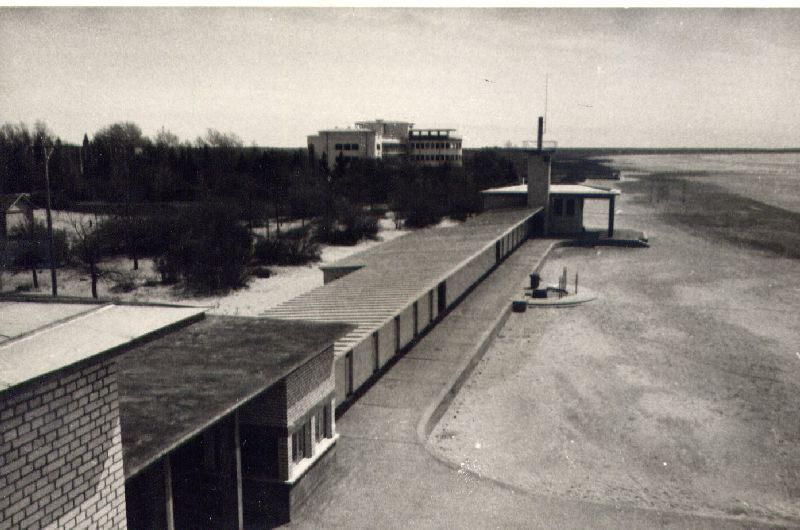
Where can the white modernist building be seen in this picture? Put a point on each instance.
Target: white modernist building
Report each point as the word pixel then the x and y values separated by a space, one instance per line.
pixel 387 140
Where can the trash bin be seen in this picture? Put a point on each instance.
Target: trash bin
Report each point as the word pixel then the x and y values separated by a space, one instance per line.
pixel 535 281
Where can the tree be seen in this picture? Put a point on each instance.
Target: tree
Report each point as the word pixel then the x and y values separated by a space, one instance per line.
pixel 89 247
pixel 215 138
pixel 165 138
pixel 84 154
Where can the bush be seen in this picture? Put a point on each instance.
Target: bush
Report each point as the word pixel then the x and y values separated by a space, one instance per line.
pixel 346 226
pixel 126 284
pixel 295 247
pixel 424 214
pixel 35 245
pixel 260 272
pixel 150 234
pixel 211 249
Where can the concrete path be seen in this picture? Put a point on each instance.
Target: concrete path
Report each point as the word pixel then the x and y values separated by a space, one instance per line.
pixel 385 475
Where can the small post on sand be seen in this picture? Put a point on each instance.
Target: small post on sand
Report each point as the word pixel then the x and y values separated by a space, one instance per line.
pixel 576 282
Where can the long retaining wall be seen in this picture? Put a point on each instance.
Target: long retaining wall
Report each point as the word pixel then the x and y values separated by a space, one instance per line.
pixel 398 290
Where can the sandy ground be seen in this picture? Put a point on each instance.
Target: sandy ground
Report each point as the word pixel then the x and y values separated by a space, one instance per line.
pixel 678 389
pixel 285 282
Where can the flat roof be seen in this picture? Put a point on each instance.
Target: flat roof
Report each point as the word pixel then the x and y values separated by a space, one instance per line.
pixel 44 338
pixel 357 131
pixel 384 122
pixel 392 275
pixel 18 318
pixel 175 386
pixel 580 190
pixel 574 190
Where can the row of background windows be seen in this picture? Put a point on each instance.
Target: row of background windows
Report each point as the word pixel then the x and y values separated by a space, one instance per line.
pixel 437 157
pixel 437 145
pixel 346 147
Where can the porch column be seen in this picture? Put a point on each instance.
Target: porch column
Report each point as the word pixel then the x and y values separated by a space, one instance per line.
pixel 231 475
pixel 170 511
pixel 236 472
pixel 611 216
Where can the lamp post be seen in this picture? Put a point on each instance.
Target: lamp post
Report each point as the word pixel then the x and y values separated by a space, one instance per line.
pixel 53 280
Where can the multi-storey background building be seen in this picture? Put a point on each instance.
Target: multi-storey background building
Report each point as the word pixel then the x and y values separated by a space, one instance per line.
pixel 388 140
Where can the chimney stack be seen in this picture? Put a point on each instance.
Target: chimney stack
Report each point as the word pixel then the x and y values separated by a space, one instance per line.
pixel 540 134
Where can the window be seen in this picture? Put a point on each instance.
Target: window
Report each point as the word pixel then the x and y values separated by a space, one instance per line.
pixel 376 347
pixel 354 147
pixel 319 426
pixel 338 147
pixel 378 147
pixel 397 333
pixel 326 419
pixel 348 373
pixel 558 206
pixel 570 207
pixel 301 442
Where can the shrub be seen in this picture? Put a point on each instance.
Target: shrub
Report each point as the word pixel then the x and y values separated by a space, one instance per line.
pixel 211 249
pixel 260 272
pixel 149 234
pixel 295 247
pixel 24 287
pixel 423 214
pixel 347 225
pixel 126 284
pixel 35 245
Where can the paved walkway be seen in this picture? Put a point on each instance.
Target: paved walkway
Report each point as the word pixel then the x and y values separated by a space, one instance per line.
pixel 385 477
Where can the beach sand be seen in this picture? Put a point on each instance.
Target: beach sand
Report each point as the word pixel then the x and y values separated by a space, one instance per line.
pixel 677 389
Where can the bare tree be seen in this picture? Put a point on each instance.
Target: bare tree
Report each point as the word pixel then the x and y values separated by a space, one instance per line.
pixel 89 248
pixel 165 138
pixel 215 138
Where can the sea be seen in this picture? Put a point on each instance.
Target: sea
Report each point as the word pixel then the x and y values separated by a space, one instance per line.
pixel 770 178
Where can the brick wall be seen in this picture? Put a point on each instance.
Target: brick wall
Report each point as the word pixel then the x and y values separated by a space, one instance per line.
pixel 61 452
pixel 309 384
pixel 288 400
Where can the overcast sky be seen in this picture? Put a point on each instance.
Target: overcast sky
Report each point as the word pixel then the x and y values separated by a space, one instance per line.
pixel 644 78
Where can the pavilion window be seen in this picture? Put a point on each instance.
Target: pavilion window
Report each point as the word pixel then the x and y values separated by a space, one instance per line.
pixel 558 206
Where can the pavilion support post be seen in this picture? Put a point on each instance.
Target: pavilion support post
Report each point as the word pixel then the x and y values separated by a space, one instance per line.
pixel 238 470
pixel 170 510
pixel 611 216
pixel 231 476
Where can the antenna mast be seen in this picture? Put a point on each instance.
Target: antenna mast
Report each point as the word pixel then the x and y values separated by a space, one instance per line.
pixel 546 82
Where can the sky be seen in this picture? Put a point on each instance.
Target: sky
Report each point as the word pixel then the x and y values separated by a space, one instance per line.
pixel 613 77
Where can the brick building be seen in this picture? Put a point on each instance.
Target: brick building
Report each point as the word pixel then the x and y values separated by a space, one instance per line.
pixel 60 450
pixel 228 420
pixel 157 417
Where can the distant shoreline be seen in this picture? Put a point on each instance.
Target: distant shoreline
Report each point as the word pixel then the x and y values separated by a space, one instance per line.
pixel 580 152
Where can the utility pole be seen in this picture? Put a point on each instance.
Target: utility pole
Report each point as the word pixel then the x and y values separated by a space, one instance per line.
pixel 128 218
pixel 47 151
